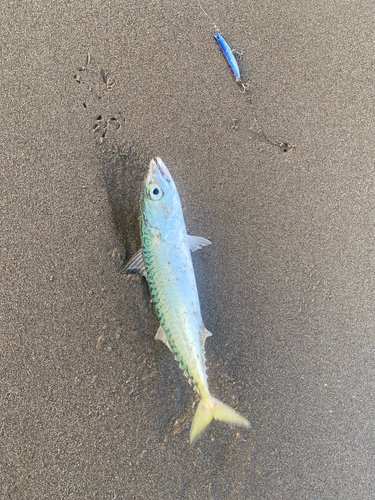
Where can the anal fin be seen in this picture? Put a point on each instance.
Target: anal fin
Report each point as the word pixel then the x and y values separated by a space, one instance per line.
pixel 203 334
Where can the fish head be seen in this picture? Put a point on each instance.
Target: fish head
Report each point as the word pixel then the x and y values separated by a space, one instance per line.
pixel 160 204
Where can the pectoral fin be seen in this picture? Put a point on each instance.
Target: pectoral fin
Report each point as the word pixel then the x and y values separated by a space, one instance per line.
pixel 197 242
pixel 160 335
pixel 136 265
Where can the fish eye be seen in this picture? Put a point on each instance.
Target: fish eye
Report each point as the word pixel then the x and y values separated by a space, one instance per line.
pixel 155 192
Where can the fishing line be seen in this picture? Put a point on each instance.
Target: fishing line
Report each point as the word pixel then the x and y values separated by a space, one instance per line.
pixel 215 26
pixel 231 57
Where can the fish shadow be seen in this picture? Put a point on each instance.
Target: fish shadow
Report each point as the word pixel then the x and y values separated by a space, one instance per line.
pixel 123 172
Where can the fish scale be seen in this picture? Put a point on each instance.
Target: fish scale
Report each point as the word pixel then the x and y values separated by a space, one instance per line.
pixel 161 283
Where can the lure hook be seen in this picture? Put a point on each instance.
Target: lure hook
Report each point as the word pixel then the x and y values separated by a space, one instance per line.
pixel 245 87
pixel 238 54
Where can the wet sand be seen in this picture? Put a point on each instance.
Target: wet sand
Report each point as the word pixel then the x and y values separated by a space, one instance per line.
pixel 91 406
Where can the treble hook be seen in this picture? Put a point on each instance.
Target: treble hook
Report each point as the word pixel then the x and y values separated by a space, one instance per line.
pixel 238 53
pixel 245 87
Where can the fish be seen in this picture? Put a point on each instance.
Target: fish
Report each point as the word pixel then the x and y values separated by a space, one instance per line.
pixel 229 56
pixel 165 261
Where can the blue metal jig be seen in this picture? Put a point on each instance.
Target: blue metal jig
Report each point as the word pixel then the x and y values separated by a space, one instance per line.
pixel 227 51
pixel 229 56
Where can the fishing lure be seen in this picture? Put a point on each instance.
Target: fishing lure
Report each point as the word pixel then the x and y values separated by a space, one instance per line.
pixel 165 261
pixel 228 53
pixel 230 57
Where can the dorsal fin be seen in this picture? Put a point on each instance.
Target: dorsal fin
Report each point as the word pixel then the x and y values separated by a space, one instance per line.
pixel 160 335
pixel 136 265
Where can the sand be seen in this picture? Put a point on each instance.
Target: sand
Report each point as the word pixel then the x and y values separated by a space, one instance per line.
pixel 91 406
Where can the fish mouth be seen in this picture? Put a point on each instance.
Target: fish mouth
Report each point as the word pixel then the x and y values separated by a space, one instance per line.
pixel 157 165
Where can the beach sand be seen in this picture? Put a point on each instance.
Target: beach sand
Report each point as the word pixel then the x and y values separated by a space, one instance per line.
pixel 91 406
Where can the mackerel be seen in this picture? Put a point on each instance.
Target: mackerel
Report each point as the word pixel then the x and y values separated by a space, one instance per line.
pixel 165 261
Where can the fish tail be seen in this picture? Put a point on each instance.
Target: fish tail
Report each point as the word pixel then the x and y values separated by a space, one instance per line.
pixel 214 409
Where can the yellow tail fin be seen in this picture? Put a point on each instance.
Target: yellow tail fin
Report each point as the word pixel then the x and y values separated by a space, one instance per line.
pixel 214 409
